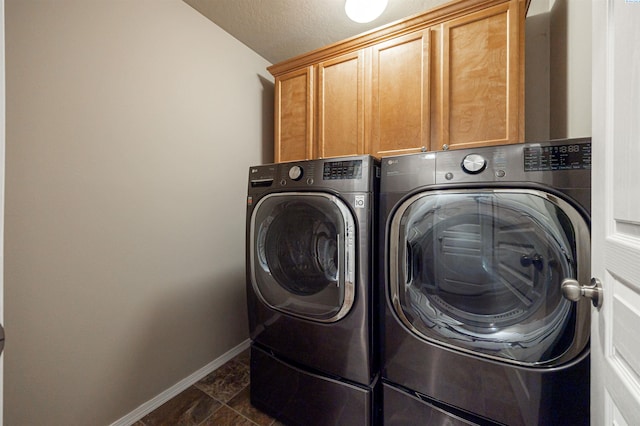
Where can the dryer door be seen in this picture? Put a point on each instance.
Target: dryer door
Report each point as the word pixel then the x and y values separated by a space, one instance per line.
pixel 481 271
pixel 303 255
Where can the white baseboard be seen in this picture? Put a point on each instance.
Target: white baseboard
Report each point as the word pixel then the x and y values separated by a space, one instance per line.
pixel 182 385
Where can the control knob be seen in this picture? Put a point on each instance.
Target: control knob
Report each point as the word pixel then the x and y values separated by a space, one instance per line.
pixel 474 164
pixel 295 172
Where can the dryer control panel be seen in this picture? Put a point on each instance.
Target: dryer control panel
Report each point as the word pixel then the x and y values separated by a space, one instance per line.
pixel 557 157
pixel 559 163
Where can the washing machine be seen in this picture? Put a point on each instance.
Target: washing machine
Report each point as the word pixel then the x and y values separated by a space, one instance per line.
pixel 476 247
pixel 310 290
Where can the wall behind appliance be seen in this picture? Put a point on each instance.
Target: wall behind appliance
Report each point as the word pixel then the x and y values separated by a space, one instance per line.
pixel 570 68
pixel 537 71
pixel 558 70
pixel 130 129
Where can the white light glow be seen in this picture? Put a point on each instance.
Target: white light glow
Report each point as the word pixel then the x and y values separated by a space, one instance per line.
pixel 363 11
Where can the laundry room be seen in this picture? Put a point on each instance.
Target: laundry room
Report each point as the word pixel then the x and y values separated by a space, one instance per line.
pixel 198 230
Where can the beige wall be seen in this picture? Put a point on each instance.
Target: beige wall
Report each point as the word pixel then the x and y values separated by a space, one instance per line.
pixel 570 26
pixel 131 125
pixel 558 69
pixel 537 71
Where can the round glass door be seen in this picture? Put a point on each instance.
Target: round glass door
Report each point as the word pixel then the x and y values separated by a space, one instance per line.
pixel 303 255
pixel 481 271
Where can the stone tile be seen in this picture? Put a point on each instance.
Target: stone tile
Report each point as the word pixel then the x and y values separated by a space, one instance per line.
pixel 225 383
pixel 242 404
pixel 189 408
pixel 244 357
pixel 225 416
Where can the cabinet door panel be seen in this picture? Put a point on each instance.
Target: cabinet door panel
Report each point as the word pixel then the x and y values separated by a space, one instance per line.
pixel 481 78
pixel 294 116
pixel 341 106
pixel 400 95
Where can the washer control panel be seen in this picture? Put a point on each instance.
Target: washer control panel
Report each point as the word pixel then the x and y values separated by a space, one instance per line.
pixel 348 169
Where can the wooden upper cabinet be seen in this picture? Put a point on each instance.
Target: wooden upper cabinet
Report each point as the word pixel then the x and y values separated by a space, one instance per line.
pixel 452 77
pixel 340 106
pixel 400 95
pixel 294 116
pixel 479 85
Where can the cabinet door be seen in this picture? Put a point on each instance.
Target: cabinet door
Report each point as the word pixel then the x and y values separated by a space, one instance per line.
pixel 341 106
pixel 482 79
pixel 294 115
pixel 400 95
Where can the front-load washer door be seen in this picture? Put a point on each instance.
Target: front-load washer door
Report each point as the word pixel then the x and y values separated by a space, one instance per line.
pixel 481 270
pixel 303 255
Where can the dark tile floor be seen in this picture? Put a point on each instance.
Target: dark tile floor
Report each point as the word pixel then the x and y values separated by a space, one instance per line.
pixel 221 399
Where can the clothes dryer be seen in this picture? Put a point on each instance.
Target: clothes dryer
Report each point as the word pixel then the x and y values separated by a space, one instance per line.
pixel 310 282
pixel 477 244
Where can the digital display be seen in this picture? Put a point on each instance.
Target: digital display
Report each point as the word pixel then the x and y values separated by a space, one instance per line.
pixel 342 170
pixel 558 157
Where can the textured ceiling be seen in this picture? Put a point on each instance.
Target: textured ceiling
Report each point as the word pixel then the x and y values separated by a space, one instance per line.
pixel 281 29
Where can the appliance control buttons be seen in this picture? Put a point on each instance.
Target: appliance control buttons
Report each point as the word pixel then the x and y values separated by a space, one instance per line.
pixel 295 172
pixel 474 164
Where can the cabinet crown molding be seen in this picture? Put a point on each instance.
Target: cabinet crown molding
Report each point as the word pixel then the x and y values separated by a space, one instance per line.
pixel 407 25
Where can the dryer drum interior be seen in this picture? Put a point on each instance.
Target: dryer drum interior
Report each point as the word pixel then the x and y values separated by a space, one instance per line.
pixel 481 270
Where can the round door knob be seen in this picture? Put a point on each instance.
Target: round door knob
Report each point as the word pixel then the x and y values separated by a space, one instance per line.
pixel 295 172
pixel 474 164
pixel 574 291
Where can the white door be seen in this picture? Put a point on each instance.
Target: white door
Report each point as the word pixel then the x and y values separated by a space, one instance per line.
pixel 615 333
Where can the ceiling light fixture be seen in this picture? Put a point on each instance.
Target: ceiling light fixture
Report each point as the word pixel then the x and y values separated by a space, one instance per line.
pixel 363 11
